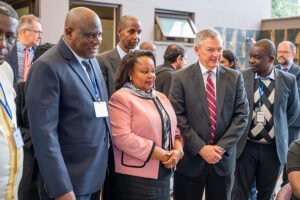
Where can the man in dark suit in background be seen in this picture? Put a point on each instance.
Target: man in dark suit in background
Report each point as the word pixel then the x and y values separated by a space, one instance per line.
pixel 212 111
pixel 274 105
pixel 174 59
pixel 129 33
pixel 29 36
pixel 66 99
pixel 286 52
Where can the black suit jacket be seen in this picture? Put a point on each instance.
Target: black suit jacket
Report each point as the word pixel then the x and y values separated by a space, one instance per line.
pixel 70 143
pixel 164 78
pixel 188 97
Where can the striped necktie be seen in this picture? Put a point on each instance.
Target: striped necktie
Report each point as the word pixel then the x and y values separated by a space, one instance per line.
pixel 211 100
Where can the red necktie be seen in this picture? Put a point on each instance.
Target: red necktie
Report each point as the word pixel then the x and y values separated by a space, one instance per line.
pixel 26 63
pixel 211 100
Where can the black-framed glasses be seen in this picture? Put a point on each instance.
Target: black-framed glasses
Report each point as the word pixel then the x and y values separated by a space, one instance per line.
pixel 36 32
pixel 10 39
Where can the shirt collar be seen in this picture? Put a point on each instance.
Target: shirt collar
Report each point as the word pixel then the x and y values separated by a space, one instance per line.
pixel 80 59
pixel 204 70
pixel 270 76
pixel 22 47
pixel 120 51
pixel 288 68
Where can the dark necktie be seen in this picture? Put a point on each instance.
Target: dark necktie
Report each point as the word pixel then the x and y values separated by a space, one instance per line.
pixel 285 69
pixel 91 74
pixel 211 100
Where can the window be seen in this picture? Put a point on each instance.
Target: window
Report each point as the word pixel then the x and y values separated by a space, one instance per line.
pixel 174 26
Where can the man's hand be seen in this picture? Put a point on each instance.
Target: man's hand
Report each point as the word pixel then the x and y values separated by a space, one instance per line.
pixel 212 154
pixel 67 196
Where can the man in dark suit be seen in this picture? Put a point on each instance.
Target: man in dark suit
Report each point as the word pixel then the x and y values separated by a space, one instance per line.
pixel 29 36
pixel 174 59
pixel 66 99
pixel 286 52
pixel 129 33
pixel 212 110
pixel 274 105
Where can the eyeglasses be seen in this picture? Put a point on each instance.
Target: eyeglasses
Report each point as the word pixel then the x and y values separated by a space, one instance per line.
pixel 36 32
pixel 10 39
pixel 284 52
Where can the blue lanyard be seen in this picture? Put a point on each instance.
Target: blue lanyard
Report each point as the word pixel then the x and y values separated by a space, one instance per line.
pixel 96 89
pixel 5 106
pixel 260 89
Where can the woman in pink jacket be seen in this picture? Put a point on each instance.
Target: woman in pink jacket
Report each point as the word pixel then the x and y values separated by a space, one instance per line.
pixel 147 145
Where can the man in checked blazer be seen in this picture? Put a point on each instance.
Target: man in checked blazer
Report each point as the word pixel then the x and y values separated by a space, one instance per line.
pixel 208 163
pixel 274 105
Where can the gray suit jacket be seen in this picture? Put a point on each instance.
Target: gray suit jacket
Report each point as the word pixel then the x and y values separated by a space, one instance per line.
pixel 70 143
pixel 286 108
pixel 187 95
pixel 296 71
pixel 109 63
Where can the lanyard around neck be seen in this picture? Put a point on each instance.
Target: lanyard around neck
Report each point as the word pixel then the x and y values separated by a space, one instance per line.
pixel 5 104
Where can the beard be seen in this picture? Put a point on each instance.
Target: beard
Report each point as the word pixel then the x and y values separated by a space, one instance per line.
pixel 283 61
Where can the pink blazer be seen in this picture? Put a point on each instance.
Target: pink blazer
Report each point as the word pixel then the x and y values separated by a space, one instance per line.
pixel 136 128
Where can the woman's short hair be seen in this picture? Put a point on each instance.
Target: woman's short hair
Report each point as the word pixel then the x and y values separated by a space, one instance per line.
pixel 127 65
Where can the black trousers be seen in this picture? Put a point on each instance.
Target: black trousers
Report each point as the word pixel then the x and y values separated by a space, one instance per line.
pixel 191 188
pixel 258 162
pixel 127 187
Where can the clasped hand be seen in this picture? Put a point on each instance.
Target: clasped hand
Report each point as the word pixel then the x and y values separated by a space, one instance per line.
pixel 212 154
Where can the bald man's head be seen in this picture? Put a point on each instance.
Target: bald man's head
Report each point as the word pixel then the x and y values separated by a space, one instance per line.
pixel 83 32
pixel 129 32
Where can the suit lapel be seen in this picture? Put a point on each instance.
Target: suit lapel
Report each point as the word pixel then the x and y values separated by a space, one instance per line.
pixel 97 73
pixel 76 66
pixel 249 83
pixel 115 60
pixel 279 89
pixel 221 82
pixel 293 69
pixel 200 88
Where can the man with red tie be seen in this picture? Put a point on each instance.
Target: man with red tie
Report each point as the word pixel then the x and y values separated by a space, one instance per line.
pixel 212 110
pixel 29 36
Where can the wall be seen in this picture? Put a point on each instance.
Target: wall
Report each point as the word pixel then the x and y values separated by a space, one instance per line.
pixel 208 13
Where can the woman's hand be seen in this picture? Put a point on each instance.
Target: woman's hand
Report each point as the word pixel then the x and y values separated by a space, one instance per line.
pixel 160 154
pixel 176 155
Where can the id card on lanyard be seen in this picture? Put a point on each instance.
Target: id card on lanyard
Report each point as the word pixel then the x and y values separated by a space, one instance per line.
pixel 16 131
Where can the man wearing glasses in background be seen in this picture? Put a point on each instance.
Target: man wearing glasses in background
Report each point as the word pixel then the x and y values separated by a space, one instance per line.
pixel 29 36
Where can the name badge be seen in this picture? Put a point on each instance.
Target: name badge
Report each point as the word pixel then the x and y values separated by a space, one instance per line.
pixel 18 138
pixel 101 109
pixel 260 118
